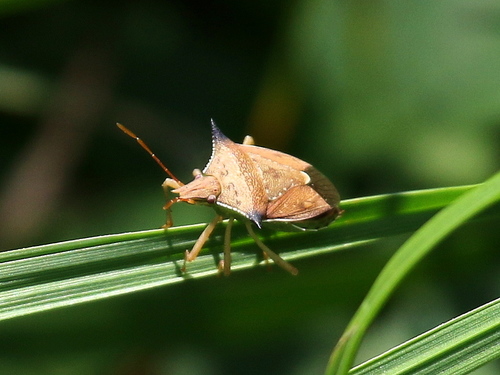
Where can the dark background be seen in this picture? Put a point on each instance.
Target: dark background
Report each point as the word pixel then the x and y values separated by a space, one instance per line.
pixel 380 96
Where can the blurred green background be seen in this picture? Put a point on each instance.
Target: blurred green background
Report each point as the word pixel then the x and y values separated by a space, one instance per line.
pixel 381 96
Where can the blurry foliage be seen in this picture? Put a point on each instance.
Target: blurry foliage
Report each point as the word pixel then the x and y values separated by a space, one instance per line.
pixel 381 96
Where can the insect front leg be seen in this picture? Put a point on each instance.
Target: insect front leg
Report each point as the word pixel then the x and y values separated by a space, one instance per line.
pixel 168 185
pixel 191 255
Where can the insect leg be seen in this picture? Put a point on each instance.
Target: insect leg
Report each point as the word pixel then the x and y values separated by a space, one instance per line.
pixel 248 140
pixel 227 247
pixel 170 184
pixel 275 257
pixel 170 221
pixel 191 255
pixel 167 206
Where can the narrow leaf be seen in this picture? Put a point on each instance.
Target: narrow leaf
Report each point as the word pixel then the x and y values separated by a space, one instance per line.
pixel 412 251
pixel 46 277
pixel 453 348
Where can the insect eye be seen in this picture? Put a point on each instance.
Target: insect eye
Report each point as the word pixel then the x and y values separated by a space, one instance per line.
pixel 211 199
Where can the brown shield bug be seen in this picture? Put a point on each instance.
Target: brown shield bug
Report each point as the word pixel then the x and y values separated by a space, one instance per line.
pixel 255 185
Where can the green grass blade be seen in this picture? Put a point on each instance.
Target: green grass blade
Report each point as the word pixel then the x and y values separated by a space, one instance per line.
pixel 62 274
pixel 412 251
pixel 453 348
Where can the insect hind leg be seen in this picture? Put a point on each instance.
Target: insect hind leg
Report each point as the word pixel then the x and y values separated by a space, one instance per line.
pixel 271 254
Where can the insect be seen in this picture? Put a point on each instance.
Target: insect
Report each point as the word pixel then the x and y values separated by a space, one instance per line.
pixel 255 185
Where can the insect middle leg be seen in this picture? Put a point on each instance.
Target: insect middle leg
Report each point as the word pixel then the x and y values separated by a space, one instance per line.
pixel 226 264
pixel 191 255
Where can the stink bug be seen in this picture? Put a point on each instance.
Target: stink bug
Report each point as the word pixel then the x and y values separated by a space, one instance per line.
pixel 255 185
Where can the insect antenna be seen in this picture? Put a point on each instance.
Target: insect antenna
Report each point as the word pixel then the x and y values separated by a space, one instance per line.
pixel 148 150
